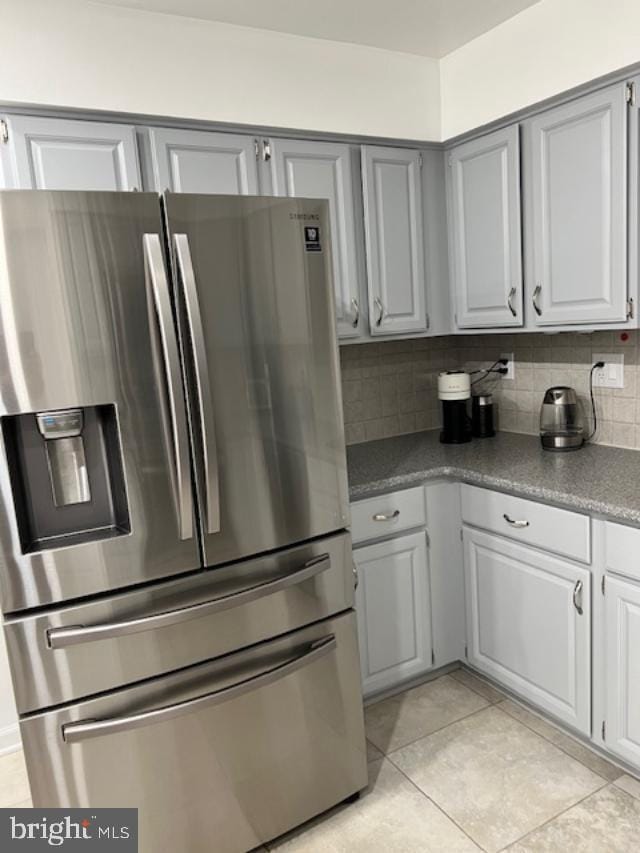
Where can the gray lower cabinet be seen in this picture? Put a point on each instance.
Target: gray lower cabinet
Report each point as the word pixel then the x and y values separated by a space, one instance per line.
pixel 483 180
pixel 623 668
pixel 324 170
pixel 60 154
pixel 394 235
pixel 393 607
pixel 529 624
pixel 576 214
pixel 199 161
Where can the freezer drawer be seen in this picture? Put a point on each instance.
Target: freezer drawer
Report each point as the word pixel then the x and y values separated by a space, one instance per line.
pixel 221 756
pixel 77 651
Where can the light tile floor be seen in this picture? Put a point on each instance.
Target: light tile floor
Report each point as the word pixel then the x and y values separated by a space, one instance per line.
pixel 456 767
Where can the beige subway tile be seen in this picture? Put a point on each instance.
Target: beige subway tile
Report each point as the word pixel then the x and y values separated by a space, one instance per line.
pixel 353 412
pixel 374 429
pixel 541 378
pixel 370 389
pixel 406 423
pixel 527 422
pixel 524 378
pixel 371 409
pixel 354 433
pixel 624 435
pixel 390 425
pixel 351 391
pixel 424 420
pixel 508 420
pixel 624 410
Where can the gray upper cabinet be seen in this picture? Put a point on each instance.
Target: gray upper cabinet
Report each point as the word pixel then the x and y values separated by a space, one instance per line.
pixel 324 170
pixel 576 216
pixel 485 230
pixel 197 161
pixel 392 189
pixel 58 154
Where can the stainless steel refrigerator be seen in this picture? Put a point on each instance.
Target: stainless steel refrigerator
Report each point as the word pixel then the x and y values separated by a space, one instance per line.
pixel 175 570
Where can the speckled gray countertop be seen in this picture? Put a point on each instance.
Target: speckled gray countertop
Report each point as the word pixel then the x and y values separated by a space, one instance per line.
pixel 595 479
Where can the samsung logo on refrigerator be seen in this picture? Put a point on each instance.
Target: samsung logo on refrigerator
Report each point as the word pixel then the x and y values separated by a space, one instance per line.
pixel 306 216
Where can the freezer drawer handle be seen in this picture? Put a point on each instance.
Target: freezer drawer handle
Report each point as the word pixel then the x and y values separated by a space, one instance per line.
pixel 159 287
pixel 77 732
pixel 203 385
pixel 60 638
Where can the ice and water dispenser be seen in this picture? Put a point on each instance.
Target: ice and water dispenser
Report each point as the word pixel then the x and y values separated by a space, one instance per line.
pixel 66 475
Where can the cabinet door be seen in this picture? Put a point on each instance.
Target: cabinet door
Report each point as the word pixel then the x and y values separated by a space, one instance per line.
pixel 394 611
pixel 323 170
pixel 197 161
pixel 524 625
pixel 623 668
pixel 486 254
pixel 577 215
pixel 56 154
pixel 394 239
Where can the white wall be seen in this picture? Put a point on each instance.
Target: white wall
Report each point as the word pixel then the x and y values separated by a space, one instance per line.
pixel 548 48
pixel 9 735
pixel 78 54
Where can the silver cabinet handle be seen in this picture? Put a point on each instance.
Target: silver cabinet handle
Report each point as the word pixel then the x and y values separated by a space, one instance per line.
pixel 536 293
pixel 157 283
pixel 203 386
pixel 61 638
pixel 512 293
pixel 86 729
pixel 577 597
pixel 514 522
pixel 356 313
pixel 384 516
pixel 378 303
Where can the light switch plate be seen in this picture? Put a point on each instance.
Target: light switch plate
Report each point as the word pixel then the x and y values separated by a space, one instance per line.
pixel 612 374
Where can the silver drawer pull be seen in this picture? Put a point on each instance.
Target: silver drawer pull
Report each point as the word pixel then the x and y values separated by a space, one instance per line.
pixel 386 516
pixel 514 522
pixel 72 635
pixel 85 729
pixel 577 597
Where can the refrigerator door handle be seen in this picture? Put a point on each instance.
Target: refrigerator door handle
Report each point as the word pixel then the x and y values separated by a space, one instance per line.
pixel 73 635
pixel 86 729
pixel 159 286
pixel 203 387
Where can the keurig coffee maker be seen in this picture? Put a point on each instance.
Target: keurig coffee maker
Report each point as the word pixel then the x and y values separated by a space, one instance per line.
pixel 454 389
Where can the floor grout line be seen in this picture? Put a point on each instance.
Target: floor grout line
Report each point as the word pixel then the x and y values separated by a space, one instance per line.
pixel 435 731
pixel 436 804
pixel 553 743
pixel 556 816
pixel 477 692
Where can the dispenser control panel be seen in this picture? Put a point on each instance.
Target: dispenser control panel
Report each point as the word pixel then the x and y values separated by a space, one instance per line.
pixel 63 424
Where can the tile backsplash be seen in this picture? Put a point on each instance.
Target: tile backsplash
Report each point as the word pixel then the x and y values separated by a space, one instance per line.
pixel 390 387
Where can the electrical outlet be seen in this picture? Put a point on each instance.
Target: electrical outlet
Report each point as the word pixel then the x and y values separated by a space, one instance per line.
pixel 612 374
pixel 510 365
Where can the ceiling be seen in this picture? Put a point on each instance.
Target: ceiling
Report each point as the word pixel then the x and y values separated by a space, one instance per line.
pixel 423 27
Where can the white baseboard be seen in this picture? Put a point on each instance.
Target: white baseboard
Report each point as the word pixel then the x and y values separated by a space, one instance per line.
pixel 10 739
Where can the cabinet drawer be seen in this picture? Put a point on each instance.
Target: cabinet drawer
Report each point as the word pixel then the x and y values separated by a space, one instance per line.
pixel 386 514
pixel 622 549
pixel 547 527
